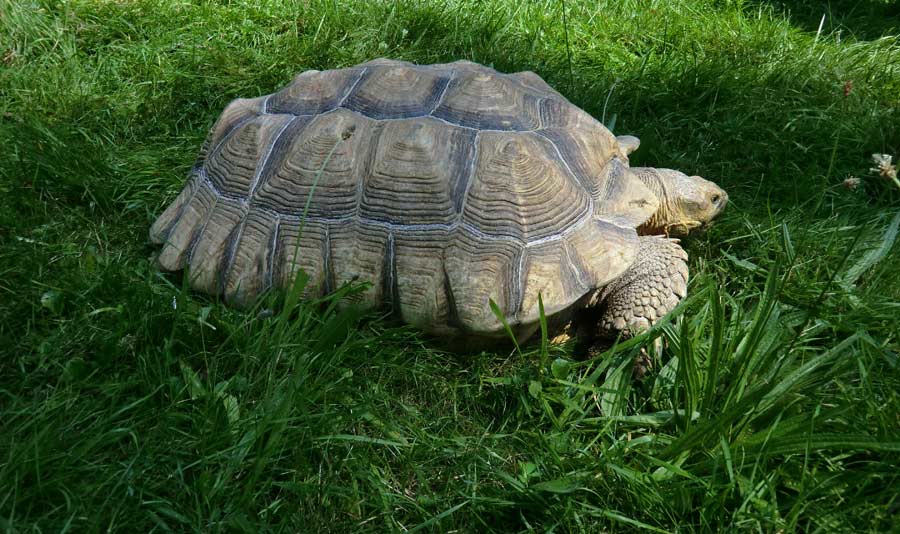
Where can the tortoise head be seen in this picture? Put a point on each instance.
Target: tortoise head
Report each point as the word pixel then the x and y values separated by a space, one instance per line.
pixel 685 202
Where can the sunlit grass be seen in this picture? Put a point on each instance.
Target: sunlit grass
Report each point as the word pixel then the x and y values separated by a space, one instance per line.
pixel 130 403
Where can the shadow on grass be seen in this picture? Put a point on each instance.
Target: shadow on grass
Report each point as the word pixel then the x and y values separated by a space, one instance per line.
pixel 865 20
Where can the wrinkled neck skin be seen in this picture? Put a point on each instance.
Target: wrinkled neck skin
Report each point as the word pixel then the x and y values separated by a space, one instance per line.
pixel 669 219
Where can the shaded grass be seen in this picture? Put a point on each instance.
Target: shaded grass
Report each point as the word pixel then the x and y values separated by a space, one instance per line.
pixel 868 19
pixel 131 404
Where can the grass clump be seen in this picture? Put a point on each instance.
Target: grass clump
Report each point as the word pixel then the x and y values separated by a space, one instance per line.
pixel 132 404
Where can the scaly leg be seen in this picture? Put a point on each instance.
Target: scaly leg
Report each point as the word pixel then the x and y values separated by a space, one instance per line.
pixel 654 284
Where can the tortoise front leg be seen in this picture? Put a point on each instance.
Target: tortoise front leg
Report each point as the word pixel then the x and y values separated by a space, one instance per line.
pixel 647 291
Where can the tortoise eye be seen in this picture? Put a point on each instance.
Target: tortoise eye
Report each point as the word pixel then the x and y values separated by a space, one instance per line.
pixel 715 199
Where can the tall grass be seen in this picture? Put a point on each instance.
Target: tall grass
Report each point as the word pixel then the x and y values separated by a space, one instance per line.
pixel 131 404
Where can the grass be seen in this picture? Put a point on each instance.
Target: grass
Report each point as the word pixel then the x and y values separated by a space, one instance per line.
pixel 131 404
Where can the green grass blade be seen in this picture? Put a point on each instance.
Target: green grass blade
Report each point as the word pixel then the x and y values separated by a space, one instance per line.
pixel 437 519
pixel 498 313
pixel 874 256
pixel 716 351
pixel 545 352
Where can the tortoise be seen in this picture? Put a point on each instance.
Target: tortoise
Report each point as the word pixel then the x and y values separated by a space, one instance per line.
pixel 444 187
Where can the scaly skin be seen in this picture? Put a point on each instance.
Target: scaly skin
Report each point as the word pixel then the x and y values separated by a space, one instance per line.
pixel 650 289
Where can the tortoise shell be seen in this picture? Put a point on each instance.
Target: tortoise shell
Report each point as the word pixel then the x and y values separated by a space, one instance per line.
pixel 443 186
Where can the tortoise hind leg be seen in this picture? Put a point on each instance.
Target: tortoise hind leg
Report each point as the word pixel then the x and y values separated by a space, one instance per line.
pixel 654 284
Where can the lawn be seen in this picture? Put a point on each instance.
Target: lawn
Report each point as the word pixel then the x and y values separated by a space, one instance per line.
pixel 129 403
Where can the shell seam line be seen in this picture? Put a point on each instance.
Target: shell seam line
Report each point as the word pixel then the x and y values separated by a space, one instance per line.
pixel 261 166
pixel 234 128
pixel 195 239
pixel 327 262
pixel 589 211
pixel 518 287
pixel 230 254
pixel 394 226
pixel 430 115
pixel 359 78
pixel 443 92
pixel 470 178
pixel 273 244
pixel 171 226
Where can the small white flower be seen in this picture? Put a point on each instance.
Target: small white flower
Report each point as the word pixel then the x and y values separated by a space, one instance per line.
pixel 851 183
pixel 884 168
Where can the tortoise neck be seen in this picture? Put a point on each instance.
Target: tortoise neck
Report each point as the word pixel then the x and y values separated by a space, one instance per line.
pixel 657 222
pixel 650 177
